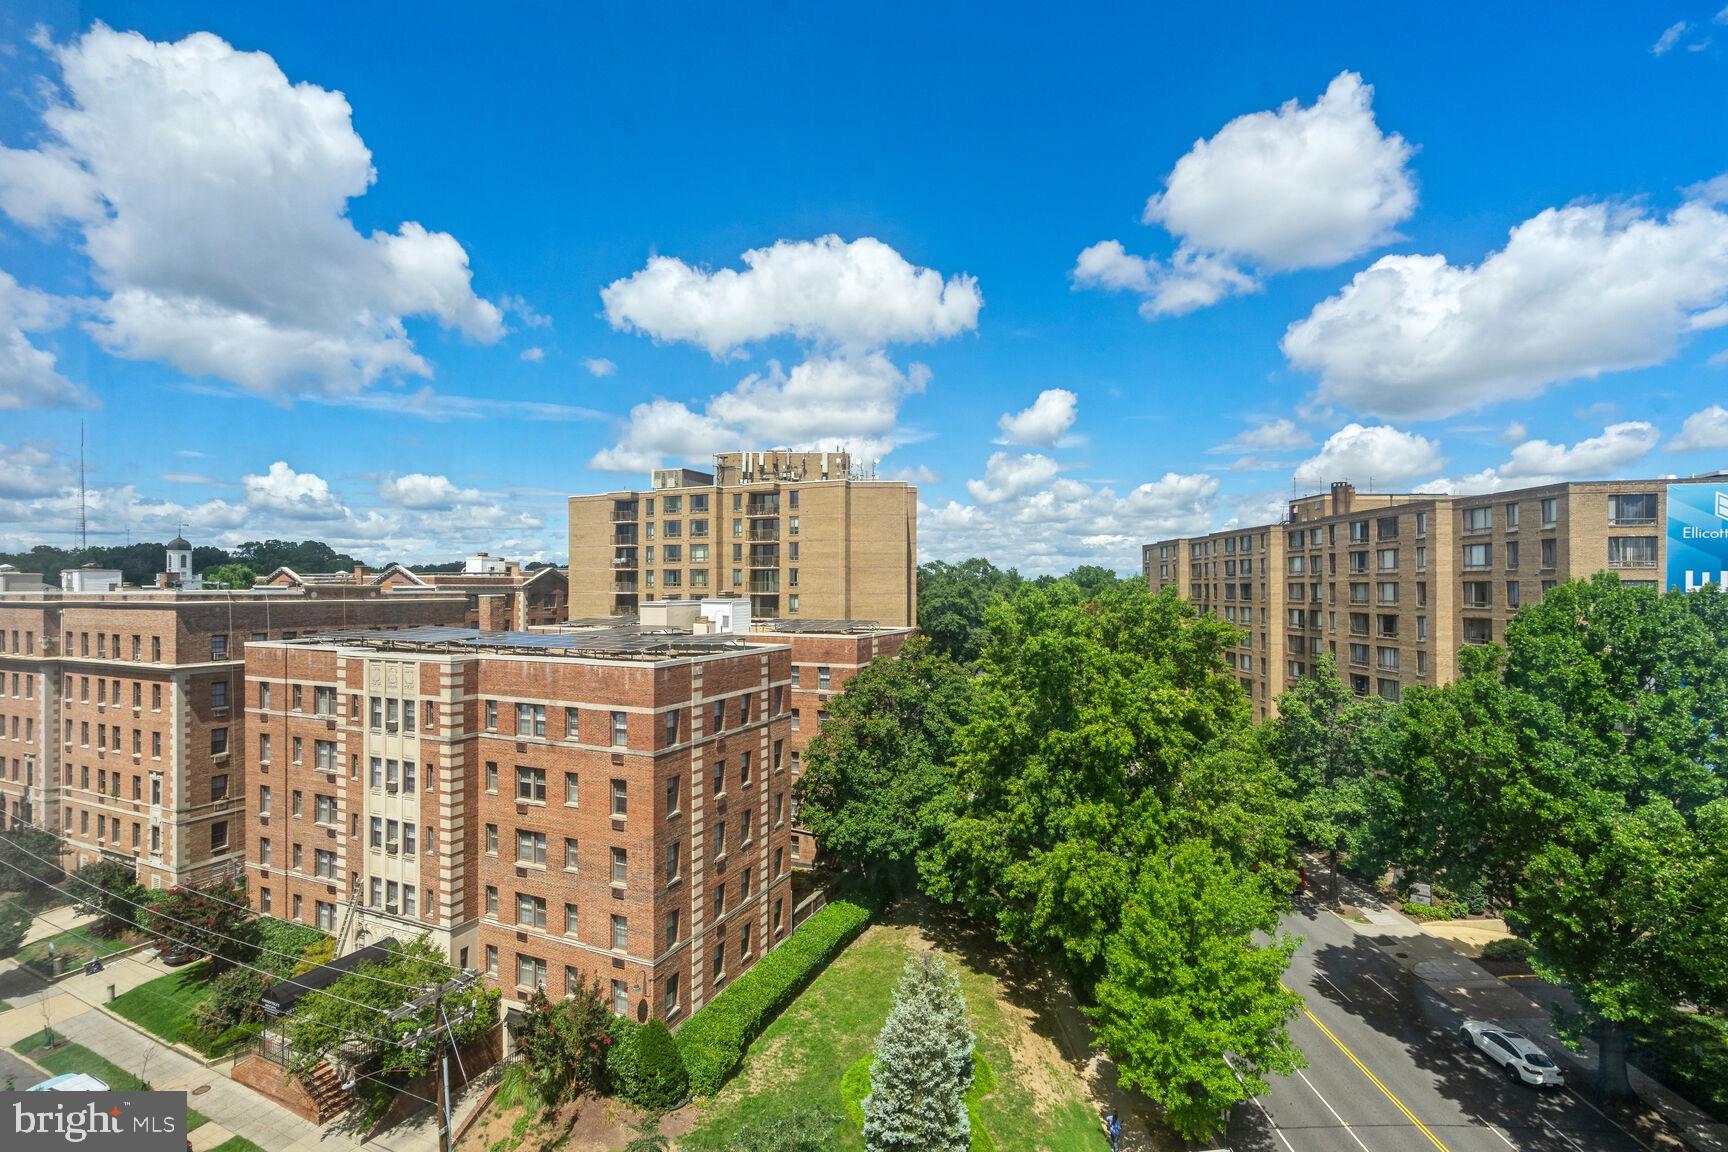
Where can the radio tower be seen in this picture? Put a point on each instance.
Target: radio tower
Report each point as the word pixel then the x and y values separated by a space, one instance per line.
pixel 83 524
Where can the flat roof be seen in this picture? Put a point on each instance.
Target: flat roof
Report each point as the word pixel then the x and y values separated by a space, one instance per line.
pixel 628 641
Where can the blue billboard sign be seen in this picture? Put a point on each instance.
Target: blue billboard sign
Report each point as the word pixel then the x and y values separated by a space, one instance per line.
pixel 1697 534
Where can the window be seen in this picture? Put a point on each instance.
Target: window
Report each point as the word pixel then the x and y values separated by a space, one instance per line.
pixel 324 810
pixel 823 679
pixel 491 900
pixel 671 795
pixel 376 778
pixel 1386 559
pixel 1631 551
pixel 795 719
pixel 570 853
pixel 1478 631
pixel 218 786
pixel 1639 508
pixel 218 741
pixel 530 971
pixel 570 789
pixel 620 729
pixel 1548 550
pixel 1478 594
pixel 1479 519
pixel 719 901
pixel 530 910
pixel 324 863
pixel 218 647
pixel 620 933
pixel 1387 591
pixel 674 860
pixel 263 798
pixel 218 836
pixel 491 839
pixel 218 693
pixel 620 865
pixel 491 776
pixel 1550 511
pixel 1512 594
pixel 377 837
pixel 408 776
pixel 492 960
pixel 572 723
pixel 1478 556
pixel 1512 555
pixel 530 847
pixel 531 784
pixel 620 799
pixel 530 719
pixel 491 715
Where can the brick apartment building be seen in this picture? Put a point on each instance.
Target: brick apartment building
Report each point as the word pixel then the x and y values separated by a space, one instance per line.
pixel 800 534
pixel 610 803
pixel 1393 585
pixel 121 727
pixel 826 654
pixel 502 596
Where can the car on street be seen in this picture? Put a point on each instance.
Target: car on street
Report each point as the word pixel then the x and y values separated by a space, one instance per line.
pixel 1518 1056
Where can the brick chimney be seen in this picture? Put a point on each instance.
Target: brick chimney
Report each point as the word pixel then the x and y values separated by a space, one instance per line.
pixel 494 612
pixel 1343 496
pixel 359 573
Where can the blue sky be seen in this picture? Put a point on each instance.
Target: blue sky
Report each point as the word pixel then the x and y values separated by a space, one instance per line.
pixel 1418 248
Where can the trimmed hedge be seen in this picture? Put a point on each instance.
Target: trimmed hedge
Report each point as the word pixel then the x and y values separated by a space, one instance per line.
pixel 1511 948
pixel 644 1065
pixel 712 1041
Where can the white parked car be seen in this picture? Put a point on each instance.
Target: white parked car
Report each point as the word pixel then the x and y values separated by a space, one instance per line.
pixel 1517 1055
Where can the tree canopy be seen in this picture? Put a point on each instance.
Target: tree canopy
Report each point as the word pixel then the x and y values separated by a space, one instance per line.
pixel 951 603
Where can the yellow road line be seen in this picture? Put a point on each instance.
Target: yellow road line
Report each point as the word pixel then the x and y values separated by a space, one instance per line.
pixel 1375 1080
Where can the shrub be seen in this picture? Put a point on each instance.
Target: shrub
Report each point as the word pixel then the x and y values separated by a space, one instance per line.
pixel 1511 948
pixel 14 923
pixel 233 1000
pixel 713 1040
pixel 284 945
pixel 109 890
pixel 855 1085
pixel 1426 912
pixel 645 1067
pixel 564 1043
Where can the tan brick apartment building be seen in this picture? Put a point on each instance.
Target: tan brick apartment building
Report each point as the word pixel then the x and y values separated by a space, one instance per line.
pixel 610 804
pixel 121 727
pixel 502 596
pixel 1392 585
pixel 801 534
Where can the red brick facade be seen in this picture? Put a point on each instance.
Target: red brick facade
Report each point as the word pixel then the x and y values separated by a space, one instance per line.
pixel 624 819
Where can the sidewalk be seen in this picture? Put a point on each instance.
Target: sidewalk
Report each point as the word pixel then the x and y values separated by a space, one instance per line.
pixel 1465 987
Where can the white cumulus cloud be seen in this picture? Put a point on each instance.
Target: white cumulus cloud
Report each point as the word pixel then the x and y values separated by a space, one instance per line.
pixel 599 366
pixel 1380 455
pixel 1045 423
pixel 1296 187
pixel 419 490
pixel 211 195
pixel 29 377
pixel 860 295
pixel 1576 292
pixel 1006 477
pixel 1704 430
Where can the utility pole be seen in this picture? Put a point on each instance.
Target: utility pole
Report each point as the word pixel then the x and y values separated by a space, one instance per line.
pixel 441 1035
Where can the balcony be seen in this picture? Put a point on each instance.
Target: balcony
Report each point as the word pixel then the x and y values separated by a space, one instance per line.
pixel 624 513
pixel 761 582
pixel 763 505
pixel 766 531
pixel 624 536
pixel 624 584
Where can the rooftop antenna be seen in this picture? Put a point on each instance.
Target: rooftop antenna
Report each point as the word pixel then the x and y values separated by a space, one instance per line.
pixel 83 522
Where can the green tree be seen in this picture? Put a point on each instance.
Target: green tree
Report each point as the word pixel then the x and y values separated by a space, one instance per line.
pixel 922 1068
pixel 14 925
pixel 1088 718
pixel 230 575
pixel 951 603
pixel 564 1044
pixel 876 775
pixel 30 861
pixel 108 889
pixel 800 1130
pixel 1190 1006
pixel 1329 742
pixel 1091 579
pixel 384 1042
pixel 1581 778
pixel 213 919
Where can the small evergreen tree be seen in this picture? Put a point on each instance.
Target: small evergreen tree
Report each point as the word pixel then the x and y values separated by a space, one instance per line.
pixel 923 1065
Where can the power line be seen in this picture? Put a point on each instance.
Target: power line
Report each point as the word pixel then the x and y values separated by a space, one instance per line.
pixel 165 1000
pixel 229 903
pixel 183 943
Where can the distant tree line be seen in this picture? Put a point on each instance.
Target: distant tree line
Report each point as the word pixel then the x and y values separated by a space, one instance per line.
pixel 139 563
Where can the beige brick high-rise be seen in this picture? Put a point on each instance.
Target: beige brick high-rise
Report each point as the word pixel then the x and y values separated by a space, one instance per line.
pixel 1393 585
pixel 803 535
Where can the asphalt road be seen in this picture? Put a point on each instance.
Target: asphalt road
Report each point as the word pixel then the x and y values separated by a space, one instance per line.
pixel 1387 1073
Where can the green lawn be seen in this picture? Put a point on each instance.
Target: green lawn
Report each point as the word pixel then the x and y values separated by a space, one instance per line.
pixel 195 1120
pixel 1039 1103
pixel 75 949
pixel 165 1004
pixel 76 1058
pixel 237 1144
